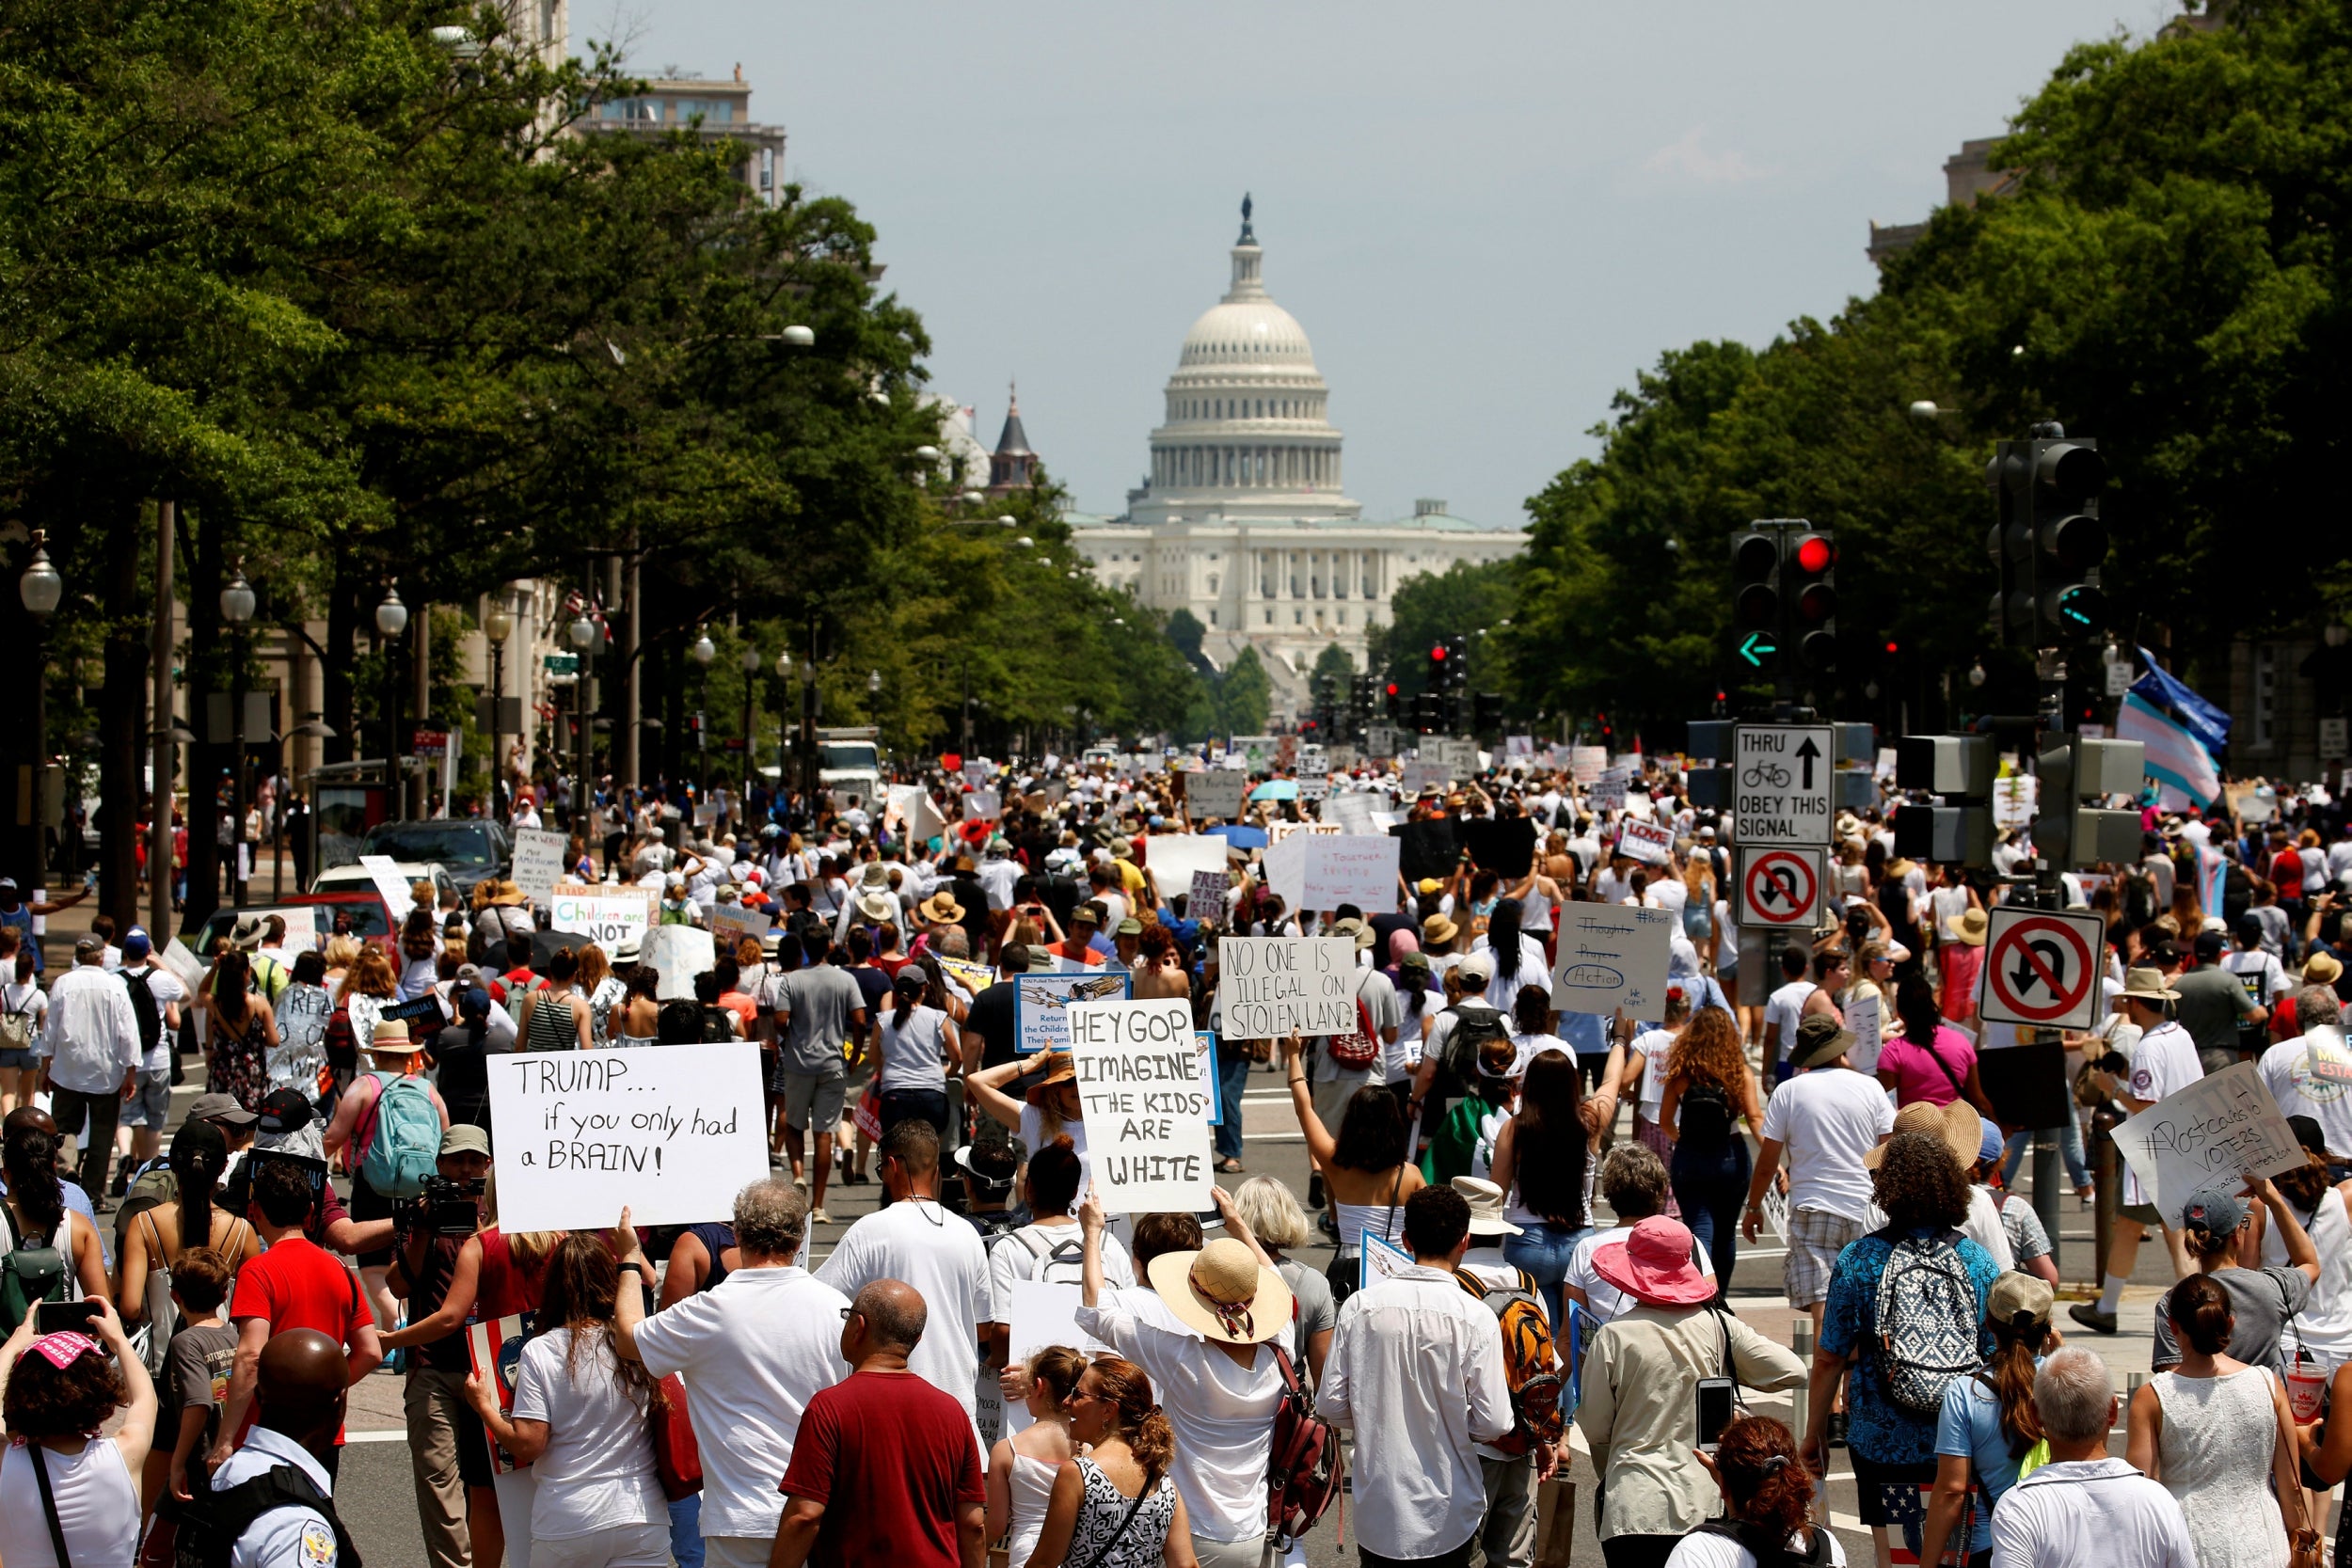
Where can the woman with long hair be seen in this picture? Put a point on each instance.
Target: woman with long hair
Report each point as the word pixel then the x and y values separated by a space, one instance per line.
pixel 917 1041
pixel 1366 1168
pixel 1929 1060
pixel 419 951
pixel 581 1420
pixel 1648 1055
pixel 1116 1508
pixel 1022 1467
pixel 1698 909
pixel 34 1204
pixel 2218 1435
pixel 1989 1424
pixel 555 1018
pixel 1543 1162
pixel 604 989
pixel 638 1020
pixel 1768 1497
pixel 1518 958
pixel 1709 1092
pixel 243 1029
pixel 368 984
pixel 56 1392
pixel 158 1236
pixel 303 1008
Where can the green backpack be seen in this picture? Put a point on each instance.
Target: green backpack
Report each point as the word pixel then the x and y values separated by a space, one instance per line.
pixel 31 1273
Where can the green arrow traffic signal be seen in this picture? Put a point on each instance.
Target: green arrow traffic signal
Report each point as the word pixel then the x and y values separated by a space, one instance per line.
pixel 1755 647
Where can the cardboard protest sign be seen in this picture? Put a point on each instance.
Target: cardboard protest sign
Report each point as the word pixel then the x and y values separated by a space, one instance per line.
pixel 1587 763
pixel 538 864
pixel 389 885
pixel 1611 955
pixel 1276 832
pixel 1424 850
pixel 1353 811
pixel 609 916
pixel 1652 843
pixel 1142 1082
pixel 677 953
pixel 1269 987
pixel 1210 893
pixel 2219 1132
pixel 1322 871
pixel 1216 793
pixel 1505 846
pixel 673 1133
pixel 1042 1003
pixel 1175 859
pixel 982 805
pixel 731 923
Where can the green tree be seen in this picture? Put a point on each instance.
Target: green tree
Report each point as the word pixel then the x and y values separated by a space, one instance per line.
pixel 1464 600
pixel 1245 695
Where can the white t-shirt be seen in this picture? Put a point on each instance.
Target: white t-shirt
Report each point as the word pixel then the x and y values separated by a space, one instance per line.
pixel 1028 1253
pixel 1722 1551
pixel 910 1056
pixel 1503 992
pixel 27 998
pixel 1655 1045
pixel 2324 1097
pixel 597 1471
pixel 1983 1226
pixel 755 1349
pixel 165 987
pixel 941 1255
pixel 1828 1119
pixel 1603 1299
pixel 1783 1010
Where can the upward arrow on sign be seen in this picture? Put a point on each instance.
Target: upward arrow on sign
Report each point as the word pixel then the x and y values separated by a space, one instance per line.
pixel 1809 754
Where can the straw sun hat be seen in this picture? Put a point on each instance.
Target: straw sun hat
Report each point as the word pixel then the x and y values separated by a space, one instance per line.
pixel 1223 1292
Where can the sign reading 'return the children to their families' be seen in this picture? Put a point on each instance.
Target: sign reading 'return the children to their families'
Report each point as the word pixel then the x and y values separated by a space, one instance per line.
pixel 1144 1086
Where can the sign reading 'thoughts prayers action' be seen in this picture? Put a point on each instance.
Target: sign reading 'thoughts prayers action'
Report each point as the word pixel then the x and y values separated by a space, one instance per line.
pixel 1143 1085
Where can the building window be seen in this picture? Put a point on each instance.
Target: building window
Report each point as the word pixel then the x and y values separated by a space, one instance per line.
pixel 1212 583
pixel 2265 696
pixel 1212 615
pixel 1269 615
pixel 1298 617
pixel 1343 617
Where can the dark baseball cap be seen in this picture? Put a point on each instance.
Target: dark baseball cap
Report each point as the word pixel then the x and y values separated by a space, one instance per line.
pixel 222 1108
pixel 286 1110
pixel 2214 1210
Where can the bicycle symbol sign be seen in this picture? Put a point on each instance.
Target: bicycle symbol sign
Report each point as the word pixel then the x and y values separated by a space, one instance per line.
pixel 1783 776
pixel 2042 968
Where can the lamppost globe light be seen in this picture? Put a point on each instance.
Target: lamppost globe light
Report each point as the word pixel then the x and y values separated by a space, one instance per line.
pixel 583 632
pixel 784 661
pixel 41 587
pixel 237 598
pixel 927 454
pixel 873 681
pixel 1025 543
pixel 705 650
pixel 1976 673
pixel 391 616
pixel 1006 521
pixel 751 660
pixel 800 337
pixel 498 624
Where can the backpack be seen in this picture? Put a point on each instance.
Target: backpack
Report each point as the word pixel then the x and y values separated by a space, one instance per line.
pixel 1361 1046
pixel 405 1149
pixel 1768 1551
pixel 1303 1476
pixel 1529 1360
pixel 33 1271
pixel 680 1022
pixel 1474 1024
pixel 1045 1256
pixel 714 1024
pixel 214 1520
pixel 143 1007
pixel 1706 1116
pixel 1927 1320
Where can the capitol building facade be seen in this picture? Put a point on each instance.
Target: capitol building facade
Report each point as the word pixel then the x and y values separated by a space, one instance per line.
pixel 1242 518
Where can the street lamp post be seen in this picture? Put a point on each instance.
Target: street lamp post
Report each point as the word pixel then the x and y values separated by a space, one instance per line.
pixel 41 588
pixel 583 636
pixel 704 651
pixel 498 624
pixel 783 760
pixel 391 619
pixel 236 608
pixel 751 674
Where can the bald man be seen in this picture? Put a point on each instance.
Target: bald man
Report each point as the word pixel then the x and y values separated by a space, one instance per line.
pixel 885 1466
pixel 274 1497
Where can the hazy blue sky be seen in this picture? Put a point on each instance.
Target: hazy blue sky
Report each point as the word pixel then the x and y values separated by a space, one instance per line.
pixel 1486 217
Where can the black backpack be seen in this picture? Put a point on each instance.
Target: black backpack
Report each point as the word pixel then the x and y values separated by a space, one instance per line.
pixel 1706 1116
pixel 715 1024
pixel 1769 1550
pixel 143 1007
pixel 1474 1024
pixel 212 1521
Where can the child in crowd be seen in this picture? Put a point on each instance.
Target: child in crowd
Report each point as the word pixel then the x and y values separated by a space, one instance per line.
pixel 194 1382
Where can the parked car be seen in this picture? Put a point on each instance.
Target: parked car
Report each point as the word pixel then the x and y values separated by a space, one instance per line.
pixel 346 879
pixel 468 848
pixel 370 918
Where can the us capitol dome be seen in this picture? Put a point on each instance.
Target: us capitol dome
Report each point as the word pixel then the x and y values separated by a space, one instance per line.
pixel 1242 519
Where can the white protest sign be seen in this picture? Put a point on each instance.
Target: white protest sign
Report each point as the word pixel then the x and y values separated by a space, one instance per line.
pixel 1353 813
pixel 1611 955
pixel 1175 859
pixel 610 917
pixel 1313 788
pixel 1587 763
pixel 302 924
pixel 1418 775
pixel 1652 843
pixel 538 862
pixel 2217 1133
pixel 1861 1018
pixel 1144 1086
pixel 389 885
pixel 184 965
pixel 1276 832
pixel 732 923
pixel 677 954
pixel 1380 1259
pixel 1269 987
pixel 1217 793
pixel 672 1133
pixel 1039 1315
pixel 982 805
pixel 2014 797
pixel 1210 892
pixel 1323 870
pixel 1609 790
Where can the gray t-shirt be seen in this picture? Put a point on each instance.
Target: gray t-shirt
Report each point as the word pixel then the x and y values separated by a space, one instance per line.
pixel 817 1002
pixel 2211 1003
pixel 2264 1300
pixel 1317 1311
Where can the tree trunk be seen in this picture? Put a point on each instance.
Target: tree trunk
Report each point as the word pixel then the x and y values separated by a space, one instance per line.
pixel 335 687
pixel 208 673
pixel 122 703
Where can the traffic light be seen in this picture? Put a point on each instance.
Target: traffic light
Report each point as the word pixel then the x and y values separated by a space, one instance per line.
pixel 2070 543
pixel 1395 701
pixel 1487 713
pixel 1808 593
pixel 2069 834
pixel 2011 544
pixel 1755 599
pixel 1957 826
pixel 1428 713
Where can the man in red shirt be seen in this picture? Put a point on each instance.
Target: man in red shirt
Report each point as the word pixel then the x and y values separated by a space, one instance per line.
pixel 885 1471
pixel 293 1284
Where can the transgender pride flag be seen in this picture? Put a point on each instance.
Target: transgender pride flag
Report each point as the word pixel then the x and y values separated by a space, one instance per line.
pixel 2185 771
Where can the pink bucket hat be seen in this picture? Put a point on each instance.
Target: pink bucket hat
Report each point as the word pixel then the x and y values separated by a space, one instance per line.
pixel 1653 1264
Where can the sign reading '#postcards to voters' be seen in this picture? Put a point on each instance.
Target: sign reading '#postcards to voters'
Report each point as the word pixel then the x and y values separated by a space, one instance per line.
pixel 2217 1133
pixel 1144 1086
pixel 673 1133
pixel 538 862
pixel 609 916
pixel 1270 987
pixel 1611 955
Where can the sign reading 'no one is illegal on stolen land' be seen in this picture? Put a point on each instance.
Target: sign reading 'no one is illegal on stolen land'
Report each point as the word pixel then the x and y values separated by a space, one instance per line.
pixel 1783 777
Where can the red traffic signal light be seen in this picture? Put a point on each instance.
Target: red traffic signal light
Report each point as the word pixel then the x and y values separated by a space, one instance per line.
pixel 1392 689
pixel 1815 553
pixel 1437 653
pixel 1892 647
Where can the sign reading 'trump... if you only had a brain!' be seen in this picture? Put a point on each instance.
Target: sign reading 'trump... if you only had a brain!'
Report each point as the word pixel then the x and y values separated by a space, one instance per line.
pixel 1144 1089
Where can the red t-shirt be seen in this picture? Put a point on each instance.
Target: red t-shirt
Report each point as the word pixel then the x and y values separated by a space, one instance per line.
pixel 1075 950
pixel 296 1284
pixel 2286 872
pixel 894 1460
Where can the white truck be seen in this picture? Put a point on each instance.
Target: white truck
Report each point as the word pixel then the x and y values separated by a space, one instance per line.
pixel 848 766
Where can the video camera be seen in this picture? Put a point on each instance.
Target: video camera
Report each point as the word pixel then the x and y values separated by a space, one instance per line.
pixel 448 1208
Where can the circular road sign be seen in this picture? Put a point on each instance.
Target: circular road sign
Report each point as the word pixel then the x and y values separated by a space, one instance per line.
pixel 1781 887
pixel 2040 968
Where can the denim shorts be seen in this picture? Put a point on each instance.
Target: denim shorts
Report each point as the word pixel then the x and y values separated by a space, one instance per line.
pixel 150 1104
pixel 18 1056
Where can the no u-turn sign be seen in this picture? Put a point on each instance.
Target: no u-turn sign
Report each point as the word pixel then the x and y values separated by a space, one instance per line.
pixel 2042 968
pixel 1779 889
